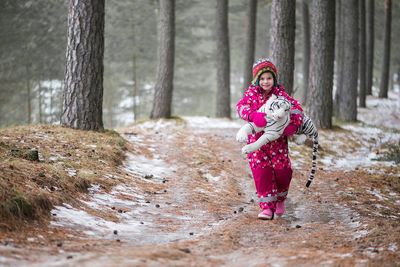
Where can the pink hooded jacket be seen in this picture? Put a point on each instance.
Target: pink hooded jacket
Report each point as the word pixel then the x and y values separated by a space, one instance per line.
pixel 274 154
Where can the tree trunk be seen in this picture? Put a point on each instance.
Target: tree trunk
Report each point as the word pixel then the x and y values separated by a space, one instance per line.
pixel 28 96
pixel 384 86
pixel 135 90
pixel 339 45
pixel 362 56
pixel 40 102
pixel 322 62
pixel 306 49
pixel 347 98
pixel 51 102
pixel 250 41
pixel 397 77
pixel 370 39
pixel 83 85
pixel 223 108
pixel 166 52
pixel 283 23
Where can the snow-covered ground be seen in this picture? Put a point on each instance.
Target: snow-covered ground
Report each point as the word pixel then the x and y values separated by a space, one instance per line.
pixel 361 144
pixel 382 111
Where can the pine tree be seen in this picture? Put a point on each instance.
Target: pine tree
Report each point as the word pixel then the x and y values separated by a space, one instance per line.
pixel 347 97
pixel 362 56
pixel 384 86
pixel 223 108
pixel 306 49
pixel 83 95
pixel 251 18
pixel 370 40
pixel 165 72
pixel 322 58
pixel 282 40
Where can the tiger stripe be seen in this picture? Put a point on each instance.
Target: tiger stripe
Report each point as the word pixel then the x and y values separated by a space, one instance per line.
pixel 308 128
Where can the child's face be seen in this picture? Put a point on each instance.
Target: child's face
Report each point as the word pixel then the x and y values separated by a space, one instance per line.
pixel 266 81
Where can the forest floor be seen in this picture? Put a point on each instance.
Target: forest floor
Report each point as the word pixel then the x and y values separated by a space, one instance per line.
pixel 190 201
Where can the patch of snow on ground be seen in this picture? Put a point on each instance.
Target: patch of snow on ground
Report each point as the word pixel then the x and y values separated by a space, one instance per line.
pixel 204 122
pixel 67 216
pixel 211 178
pixel 393 247
pixel 367 134
pixel 71 172
pixel 143 166
pixel 360 234
pixel 101 200
pixel 369 138
pixel 134 138
pixel 377 194
pixel 352 162
pixel 380 107
pixel 158 125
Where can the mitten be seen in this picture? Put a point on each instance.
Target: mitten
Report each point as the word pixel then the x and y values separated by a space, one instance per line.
pixel 258 118
pixel 290 130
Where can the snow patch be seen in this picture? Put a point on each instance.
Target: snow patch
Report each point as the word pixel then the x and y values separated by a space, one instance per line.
pixel 211 178
pixel 360 233
pixel 390 107
pixel 71 172
pixel 377 194
pixel 158 125
pixel 66 216
pixel 204 122
pixel 145 167
pixel 393 247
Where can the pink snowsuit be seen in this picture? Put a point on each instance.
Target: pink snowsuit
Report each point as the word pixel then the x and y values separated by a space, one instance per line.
pixel 270 164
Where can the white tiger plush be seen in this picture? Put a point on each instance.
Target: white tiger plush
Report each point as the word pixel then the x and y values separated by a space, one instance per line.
pixel 278 117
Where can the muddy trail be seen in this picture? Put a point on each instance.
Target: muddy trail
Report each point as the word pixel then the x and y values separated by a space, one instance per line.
pixel 192 202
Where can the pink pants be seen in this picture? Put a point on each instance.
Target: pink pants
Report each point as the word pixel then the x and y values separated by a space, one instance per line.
pixel 272 185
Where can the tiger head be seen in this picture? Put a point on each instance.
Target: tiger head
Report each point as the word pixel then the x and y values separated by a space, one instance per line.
pixel 279 107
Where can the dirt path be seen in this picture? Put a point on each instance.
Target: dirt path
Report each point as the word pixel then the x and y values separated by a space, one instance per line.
pixel 192 203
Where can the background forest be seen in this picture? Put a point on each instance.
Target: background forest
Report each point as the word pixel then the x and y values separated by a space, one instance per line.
pixel 33 47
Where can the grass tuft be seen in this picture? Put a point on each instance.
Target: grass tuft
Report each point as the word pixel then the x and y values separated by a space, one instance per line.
pixel 391 154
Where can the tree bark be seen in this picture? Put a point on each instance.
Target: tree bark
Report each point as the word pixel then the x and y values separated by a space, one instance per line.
pixel 223 108
pixel 51 101
pixel 83 84
pixel 306 49
pixel 251 17
pixel 135 90
pixel 362 56
pixel 322 62
pixel 384 86
pixel 40 102
pixel 28 95
pixel 370 40
pixel 347 98
pixel 339 46
pixel 283 23
pixel 166 52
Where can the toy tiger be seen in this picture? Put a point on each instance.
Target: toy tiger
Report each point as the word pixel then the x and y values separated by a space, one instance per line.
pixel 277 111
pixel 277 116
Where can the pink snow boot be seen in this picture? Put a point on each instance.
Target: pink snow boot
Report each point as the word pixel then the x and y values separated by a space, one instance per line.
pixel 266 214
pixel 280 208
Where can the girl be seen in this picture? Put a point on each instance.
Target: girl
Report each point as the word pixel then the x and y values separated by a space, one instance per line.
pixel 270 164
